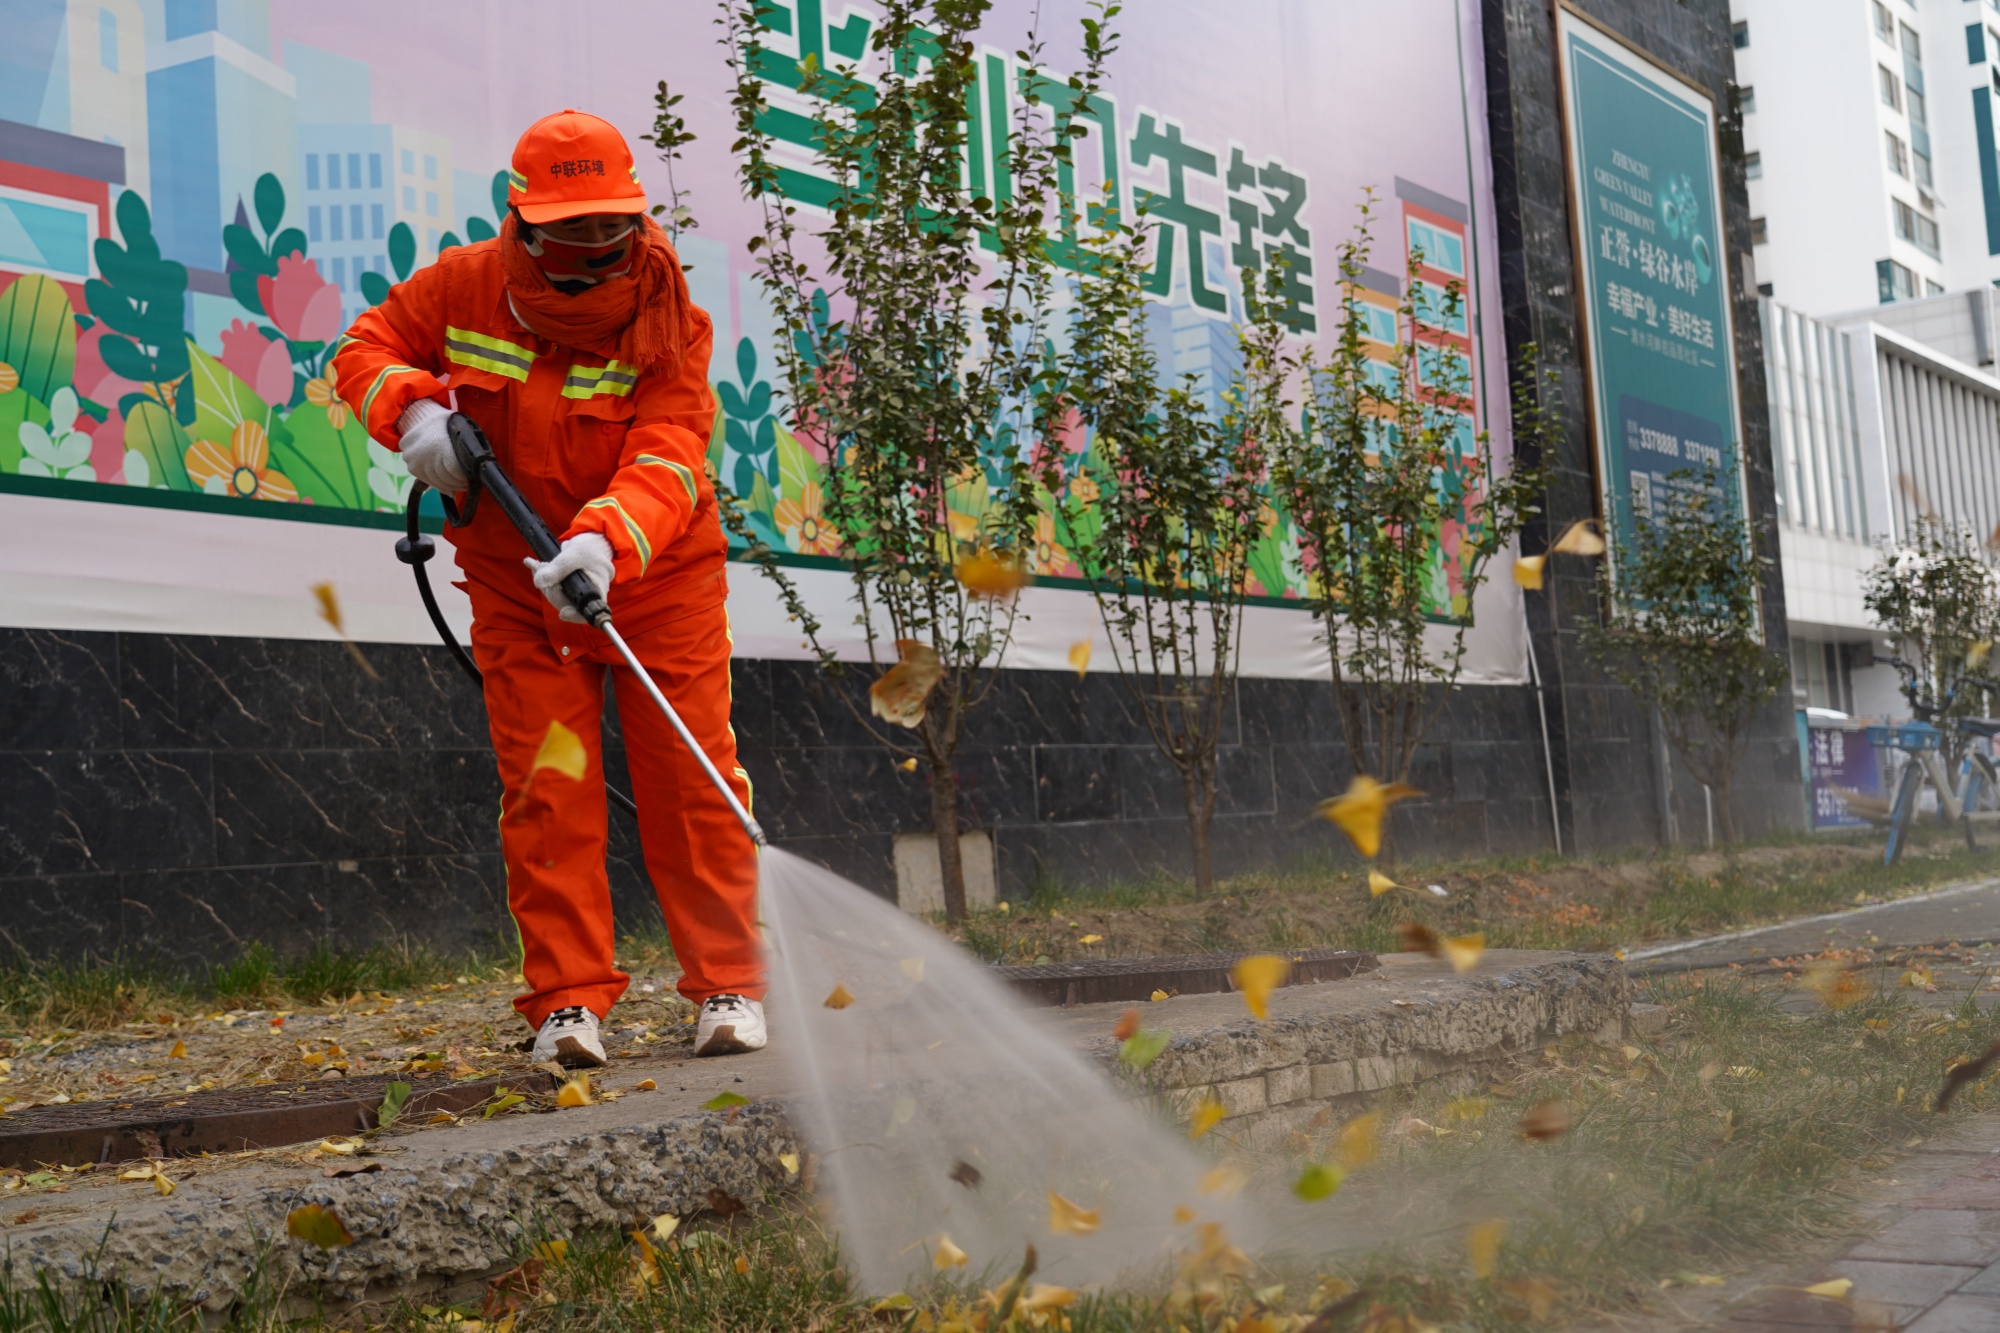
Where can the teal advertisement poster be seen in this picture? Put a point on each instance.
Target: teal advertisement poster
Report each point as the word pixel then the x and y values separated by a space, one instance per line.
pixel 1647 203
pixel 198 196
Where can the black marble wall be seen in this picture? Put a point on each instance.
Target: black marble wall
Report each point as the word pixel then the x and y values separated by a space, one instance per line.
pixel 180 797
pixel 1608 779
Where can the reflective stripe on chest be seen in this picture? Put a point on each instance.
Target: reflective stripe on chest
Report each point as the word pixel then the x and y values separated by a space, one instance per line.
pixel 614 379
pixel 482 351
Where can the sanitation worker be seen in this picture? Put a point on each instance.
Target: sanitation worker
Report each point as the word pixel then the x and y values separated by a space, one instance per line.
pixel 572 341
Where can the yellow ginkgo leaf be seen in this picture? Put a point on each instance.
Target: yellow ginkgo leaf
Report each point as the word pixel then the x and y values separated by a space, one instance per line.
pixel 947 1255
pixel 644 1085
pixel 576 1092
pixel 1183 1214
pixel 1207 1115
pixel 562 751
pixel 329 606
pixel 665 1225
pixel 904 689
pixel 1066 1219
pixel 1580 538
pixel 1042 1298
pixel 1528 571
pixel 1090 939
pixel 1079 657
pixel 161 1184
pixel 1482 1246
pixel 840 997
pixel 790 1161
pixel 1834 1289
pixel 1159 995
pixel 909 765
pixel 179 1052
pixel 1977 654
pixel 985 574
pixel 1360 809
pixel 1835 986
pixel 1256 977
pixel 1379 883
pixel 1463 951
pixel 317 1225
pixel 1360 1141
pixel 137 1173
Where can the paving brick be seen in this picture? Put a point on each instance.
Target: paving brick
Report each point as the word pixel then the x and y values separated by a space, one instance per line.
pixel 1937 1235
pixel 1241 1096
pixel 1290 1084
pixel 1334 1080
pixel 1375 1072
pixel 1986 1284
pixel 1904 1287
pixel 1959 1314
pixel 1787 1311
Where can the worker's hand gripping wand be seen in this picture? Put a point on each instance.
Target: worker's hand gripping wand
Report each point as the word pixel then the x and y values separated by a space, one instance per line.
pixel 483 472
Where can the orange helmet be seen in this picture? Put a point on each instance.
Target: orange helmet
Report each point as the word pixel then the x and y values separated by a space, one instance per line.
pixel 572 163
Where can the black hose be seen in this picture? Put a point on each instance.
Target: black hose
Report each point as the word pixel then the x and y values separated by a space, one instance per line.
pixel 415 548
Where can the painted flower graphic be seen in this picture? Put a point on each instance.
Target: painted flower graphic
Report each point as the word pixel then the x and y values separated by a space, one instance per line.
pixel 240 468
pixel 321 393
pixel 58 449
pixel 1047 556
pixel 304 306
pixel 265 364
pixel 802 520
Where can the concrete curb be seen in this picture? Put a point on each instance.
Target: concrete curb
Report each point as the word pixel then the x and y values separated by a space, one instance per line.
pixel 453 1205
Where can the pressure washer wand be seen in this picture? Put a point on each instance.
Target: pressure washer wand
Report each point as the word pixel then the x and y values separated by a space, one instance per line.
pixel 483 472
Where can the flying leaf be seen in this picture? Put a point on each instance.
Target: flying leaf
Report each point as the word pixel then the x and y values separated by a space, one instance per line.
pixel 1360 1141
pixel 1580 538
pixel 1968 1072
pixel 1528 571
pixel 1835 986
pixel 966 1174
pixel 1545 1121
pixel 562 751
pixel 317 1225
pixel 1834 1289
pixel 1043 1298
pixel 1360 809
pixel 1464 951
pixel 1379 883
pixel 576 1092
pixel 1976 655
pixel 1222 1180
pixel 1207 1115
pixel 985 574
pixel 1079 657
pixel 1183 1214
pixel 840 997
pixel 909 765
pixel 1482 1246
pixel 1066 1219
pixel 1127 1026
pixel 1142 1048
pixel 900 695
pixel 179 1052
pixel 947 1255
pixel 504 1100
pixel 1318 1181
pixel 329 611
pixel 1256 977
pixel 722 1101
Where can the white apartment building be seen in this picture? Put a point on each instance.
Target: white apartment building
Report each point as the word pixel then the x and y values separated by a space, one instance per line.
pixel 1871 137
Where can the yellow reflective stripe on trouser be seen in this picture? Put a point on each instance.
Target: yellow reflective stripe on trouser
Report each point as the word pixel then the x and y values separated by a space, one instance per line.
pixel 638 536
pixel 589 381
pixel 680 470
pixel 382 379
pixel 484 352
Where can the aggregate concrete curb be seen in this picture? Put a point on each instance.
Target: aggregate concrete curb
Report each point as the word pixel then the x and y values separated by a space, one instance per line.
pixel 454 1205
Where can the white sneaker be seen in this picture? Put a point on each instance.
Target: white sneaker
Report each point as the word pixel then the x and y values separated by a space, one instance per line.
pixel 730 1025
pixel 569 1037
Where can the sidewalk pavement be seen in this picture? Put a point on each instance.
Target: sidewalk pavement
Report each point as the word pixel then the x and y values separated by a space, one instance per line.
pixel 1932 1267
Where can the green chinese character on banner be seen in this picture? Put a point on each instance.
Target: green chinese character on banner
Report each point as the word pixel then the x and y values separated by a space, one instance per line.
pixel 848 42
pixel 1265 201
pixel 1175 212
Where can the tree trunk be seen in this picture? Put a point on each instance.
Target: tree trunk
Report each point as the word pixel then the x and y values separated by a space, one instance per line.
pixel 1199 800
pixel 944 820
pixel 1725 815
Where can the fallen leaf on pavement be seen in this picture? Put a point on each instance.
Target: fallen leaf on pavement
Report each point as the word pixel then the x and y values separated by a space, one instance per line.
pixel 318 1225
pixel 840 997
pixel 576 1092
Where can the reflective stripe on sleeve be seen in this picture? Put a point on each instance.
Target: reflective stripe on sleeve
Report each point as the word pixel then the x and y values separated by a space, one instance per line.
pixel 381 380
pixel 680 470
pixel 484 352
pixel 589 381
pixel 632 529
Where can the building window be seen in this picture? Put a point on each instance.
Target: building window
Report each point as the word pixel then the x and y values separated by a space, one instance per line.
pixel 430 203
pixel 1993 42
pixel 1893 282
pixel 374 171
pixel 312 171
pixel 312 223
pixel 1913 46
pixel 1896 152
pixel 354 171
pixel 431 240
pixel 1739 33
pixel 1885 23
pixel 1441 249
pixel 340 274
pixel 107 40
pixel 1760 231
pixel 1975 44
pixel 1927 237
pixel 1746 101
pixel 1915 228
pixel 381 264
pixel 430 167
pixel 333 221
pixel 333 171
pixel 409 199
pixel 1922 162
pixel 1933 288
pixel 1892 87
pixel 375 221
pixel 409 163
pixel 1753 166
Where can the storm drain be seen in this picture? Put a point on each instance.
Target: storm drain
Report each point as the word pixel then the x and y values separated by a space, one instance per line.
pixel 1112 979
pixel 234 1119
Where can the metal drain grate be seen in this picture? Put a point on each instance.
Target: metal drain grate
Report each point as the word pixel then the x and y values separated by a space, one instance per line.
pixel 1178 974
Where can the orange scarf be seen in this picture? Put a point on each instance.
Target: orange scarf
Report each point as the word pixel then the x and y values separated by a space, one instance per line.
pixel 643 317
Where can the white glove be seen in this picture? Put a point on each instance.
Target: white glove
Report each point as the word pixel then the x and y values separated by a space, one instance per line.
pixel 426 446
pixel 587 551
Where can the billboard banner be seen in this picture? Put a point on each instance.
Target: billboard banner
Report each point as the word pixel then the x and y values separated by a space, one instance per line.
pixel 1646 194
pixel 196 199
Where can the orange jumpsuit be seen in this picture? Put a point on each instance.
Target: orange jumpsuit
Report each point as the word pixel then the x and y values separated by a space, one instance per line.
pixel 598 448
